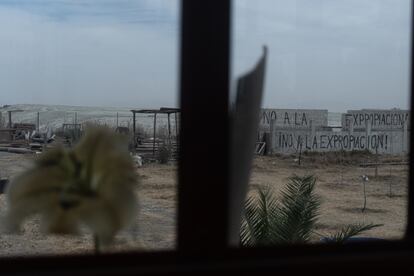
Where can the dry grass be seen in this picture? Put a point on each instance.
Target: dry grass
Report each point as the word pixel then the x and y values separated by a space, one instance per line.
pixel 339 186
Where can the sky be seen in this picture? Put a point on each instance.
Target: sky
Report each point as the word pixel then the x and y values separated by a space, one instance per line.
pixel 323 54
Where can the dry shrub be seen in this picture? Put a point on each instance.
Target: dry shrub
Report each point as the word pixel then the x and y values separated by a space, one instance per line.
pixel 164 154
pixel 354 157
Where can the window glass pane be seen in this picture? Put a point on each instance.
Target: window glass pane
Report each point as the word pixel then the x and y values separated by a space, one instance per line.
pixel 335 107
pixel 69 65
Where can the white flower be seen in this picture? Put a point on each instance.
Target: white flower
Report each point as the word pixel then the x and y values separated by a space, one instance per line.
pixel 91 185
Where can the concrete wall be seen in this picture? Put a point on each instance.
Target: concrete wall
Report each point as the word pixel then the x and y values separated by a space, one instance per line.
pixel 291 130
pixel 293 118
pixel 376 119
pixel 291 141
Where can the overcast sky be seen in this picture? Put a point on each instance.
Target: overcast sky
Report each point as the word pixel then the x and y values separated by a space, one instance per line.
pixel 334 55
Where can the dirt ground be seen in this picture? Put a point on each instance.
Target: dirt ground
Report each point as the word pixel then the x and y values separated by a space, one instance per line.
pixel 338 184
pixel 340 187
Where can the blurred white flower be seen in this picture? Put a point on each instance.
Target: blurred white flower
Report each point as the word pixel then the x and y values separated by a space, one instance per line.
pixel 91 185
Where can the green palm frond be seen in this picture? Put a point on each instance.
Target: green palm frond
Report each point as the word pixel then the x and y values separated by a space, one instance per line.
pixel 267 221
pixel 292 219
pixel 298 210
pixel 351 230
pixel 260 215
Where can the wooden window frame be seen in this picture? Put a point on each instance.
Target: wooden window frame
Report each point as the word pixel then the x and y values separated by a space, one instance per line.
pixel 204 185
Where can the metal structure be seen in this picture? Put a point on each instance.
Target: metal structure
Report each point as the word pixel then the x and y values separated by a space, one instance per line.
pixel 163 110
pixel 9 112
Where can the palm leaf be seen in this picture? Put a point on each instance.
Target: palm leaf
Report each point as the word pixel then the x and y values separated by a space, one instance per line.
pixel 291 219
pixel 258 219
pixel 351 230
pixel 268 222
pixel 298 211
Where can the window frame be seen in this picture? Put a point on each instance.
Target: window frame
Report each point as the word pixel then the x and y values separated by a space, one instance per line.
pixel 202 223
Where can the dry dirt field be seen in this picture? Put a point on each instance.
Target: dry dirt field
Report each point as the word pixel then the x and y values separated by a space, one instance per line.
pixel 338 184
pixel 341 190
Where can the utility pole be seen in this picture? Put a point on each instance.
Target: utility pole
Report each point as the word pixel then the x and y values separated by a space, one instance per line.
pixel 10 118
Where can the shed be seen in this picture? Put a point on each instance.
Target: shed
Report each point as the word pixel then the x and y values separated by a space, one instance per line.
pixel 163 110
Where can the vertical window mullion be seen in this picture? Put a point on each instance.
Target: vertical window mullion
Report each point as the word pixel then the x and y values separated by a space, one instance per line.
pixel 204 87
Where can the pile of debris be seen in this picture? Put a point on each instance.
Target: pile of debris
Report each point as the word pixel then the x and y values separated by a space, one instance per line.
pixel 23 138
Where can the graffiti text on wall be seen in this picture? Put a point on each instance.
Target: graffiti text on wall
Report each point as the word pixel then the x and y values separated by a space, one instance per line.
pixel 377 119
pixel 284 118
pixel 332 142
